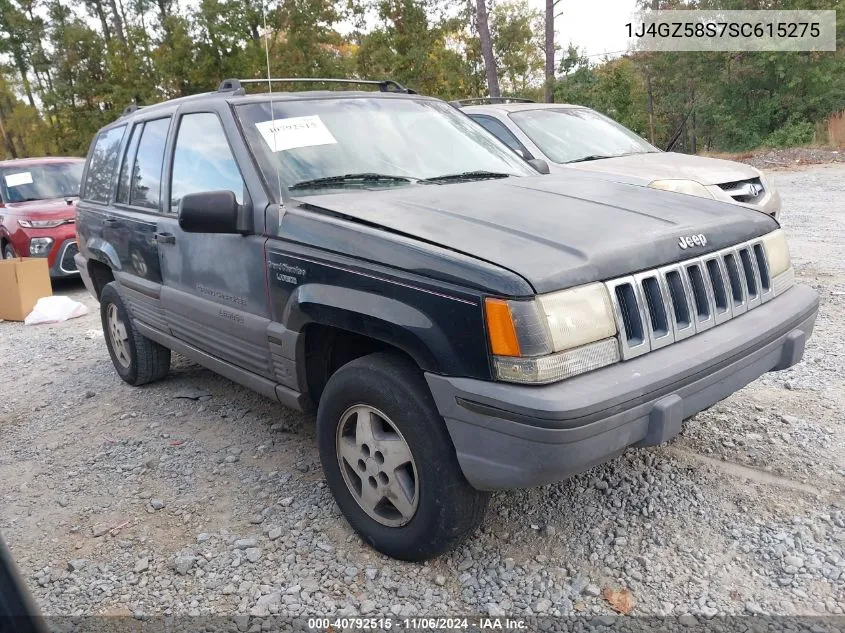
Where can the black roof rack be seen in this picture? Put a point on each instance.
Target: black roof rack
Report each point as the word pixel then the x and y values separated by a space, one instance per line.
pixel 132 107
pixel 489 100
pixel 384 85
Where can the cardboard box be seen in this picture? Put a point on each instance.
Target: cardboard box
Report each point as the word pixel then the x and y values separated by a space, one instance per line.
pixel 23 281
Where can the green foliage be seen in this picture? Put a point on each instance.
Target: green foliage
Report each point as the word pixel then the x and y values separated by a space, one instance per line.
pixel 68 67
pixel 517 31
pixel 790 135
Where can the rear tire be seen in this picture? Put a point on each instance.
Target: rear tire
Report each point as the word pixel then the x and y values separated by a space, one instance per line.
pixel 137 359
pixel 386 395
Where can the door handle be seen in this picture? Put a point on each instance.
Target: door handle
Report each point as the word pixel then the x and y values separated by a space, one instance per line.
pixel 110 221
pixel 165 238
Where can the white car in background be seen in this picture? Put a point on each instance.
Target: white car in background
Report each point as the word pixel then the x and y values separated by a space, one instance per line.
pixel 575 137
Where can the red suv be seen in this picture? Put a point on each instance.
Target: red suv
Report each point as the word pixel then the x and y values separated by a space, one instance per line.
pixel 38 210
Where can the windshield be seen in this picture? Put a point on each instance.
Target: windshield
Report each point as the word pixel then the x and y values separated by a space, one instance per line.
pixel 25 183
pixel 370 142
pixel 572 134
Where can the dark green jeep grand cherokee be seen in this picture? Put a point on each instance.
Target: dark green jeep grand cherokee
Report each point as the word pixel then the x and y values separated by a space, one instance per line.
pixel 458 322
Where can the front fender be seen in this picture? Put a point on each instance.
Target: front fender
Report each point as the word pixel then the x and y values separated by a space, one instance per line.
pixel 101 250
pixel 372 315
pixel 438 324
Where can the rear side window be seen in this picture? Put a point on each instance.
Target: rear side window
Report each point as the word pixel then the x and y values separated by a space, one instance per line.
pixel 498 129
pixel 146 174
pixel 203 160
pixel 126 168
pixel 102 165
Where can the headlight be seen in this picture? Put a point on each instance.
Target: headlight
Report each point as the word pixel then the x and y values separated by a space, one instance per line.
pixel 43 224
pixel 552 337
pixel 777 252
pixel 689 187
pixel 780 263
pixel 40 246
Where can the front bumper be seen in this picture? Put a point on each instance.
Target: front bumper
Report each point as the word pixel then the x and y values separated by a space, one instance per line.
pixel 64 264
pixel 516 436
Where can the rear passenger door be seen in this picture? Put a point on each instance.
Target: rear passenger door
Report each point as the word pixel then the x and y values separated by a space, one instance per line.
pixel 214 284
pixel 96 196
pixel 130 225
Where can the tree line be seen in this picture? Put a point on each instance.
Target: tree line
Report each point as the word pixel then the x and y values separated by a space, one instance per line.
pixel 68 67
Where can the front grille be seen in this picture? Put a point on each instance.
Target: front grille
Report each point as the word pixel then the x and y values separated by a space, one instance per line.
pixel 661 306
pixel 67 264
pixel 749 191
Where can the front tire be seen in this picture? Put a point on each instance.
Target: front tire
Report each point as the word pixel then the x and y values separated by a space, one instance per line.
pixel 9 251
pixel 137 359
pixel 390 463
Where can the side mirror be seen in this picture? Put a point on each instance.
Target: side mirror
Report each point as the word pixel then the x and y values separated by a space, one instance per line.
pixel 214 212
pixel 540 165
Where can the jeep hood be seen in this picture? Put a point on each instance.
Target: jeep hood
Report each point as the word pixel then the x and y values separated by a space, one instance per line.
pixel 555 231
pixel 645 168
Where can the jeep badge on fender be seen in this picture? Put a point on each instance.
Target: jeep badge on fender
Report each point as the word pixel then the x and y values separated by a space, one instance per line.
pixel 688 241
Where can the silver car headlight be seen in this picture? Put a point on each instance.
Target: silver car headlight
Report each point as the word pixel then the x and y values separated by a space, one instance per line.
pixel 553 336
pixel 780 262
pixel 689 187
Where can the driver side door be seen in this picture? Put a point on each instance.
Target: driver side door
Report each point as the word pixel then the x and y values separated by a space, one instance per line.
pixel 213 290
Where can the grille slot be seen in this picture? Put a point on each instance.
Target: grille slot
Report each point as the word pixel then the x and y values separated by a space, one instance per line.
pixel 737 287
pixel 699 294
pixel 750 276
pixel 630 314
pixel 679 298
pixel 628 309
pixel 655 297
pixel 763 271
pixel 718 278
pixel 702 296
pixel 720 296
pixel 657 307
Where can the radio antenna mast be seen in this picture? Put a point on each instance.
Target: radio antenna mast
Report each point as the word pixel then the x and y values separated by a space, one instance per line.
pixel 270 90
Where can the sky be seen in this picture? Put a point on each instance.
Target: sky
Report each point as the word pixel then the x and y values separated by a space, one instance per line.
pixel 595 26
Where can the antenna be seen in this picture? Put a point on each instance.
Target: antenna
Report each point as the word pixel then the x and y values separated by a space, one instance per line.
pixel 270 90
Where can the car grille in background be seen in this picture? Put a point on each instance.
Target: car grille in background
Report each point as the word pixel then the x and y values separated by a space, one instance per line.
pixel 68 265
pixel 749 191
pixel 661 306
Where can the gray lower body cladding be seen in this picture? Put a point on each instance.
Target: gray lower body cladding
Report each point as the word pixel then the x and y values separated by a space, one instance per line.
pixel 514 436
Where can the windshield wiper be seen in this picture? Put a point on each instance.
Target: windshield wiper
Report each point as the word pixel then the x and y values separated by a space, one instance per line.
pixel 467 175
pixel 349 178
pixel 603 156
pixel 593 157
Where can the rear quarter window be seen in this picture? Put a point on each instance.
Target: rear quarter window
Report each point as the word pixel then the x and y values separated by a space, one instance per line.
pixel 102 163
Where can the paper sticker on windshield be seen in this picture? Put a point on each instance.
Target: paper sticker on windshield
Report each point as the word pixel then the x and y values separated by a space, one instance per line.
pixel 22 178
pixel 300 131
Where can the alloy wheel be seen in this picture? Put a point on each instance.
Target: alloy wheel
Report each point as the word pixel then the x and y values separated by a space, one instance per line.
pixel 377 465
pixel 119 336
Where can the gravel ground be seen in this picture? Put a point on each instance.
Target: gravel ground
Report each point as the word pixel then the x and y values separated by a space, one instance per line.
pixel 787 158
pixel 196 496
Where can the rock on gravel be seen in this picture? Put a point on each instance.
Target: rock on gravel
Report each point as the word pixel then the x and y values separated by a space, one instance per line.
pixel 183 563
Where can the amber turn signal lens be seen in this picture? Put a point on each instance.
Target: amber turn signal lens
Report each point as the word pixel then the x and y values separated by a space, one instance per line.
pixel 500 328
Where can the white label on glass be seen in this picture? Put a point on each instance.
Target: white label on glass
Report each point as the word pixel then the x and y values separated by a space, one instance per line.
pixel 22 178
pixel 300 131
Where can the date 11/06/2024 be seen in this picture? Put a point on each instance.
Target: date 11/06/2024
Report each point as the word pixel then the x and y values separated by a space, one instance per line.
pixel 419 623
